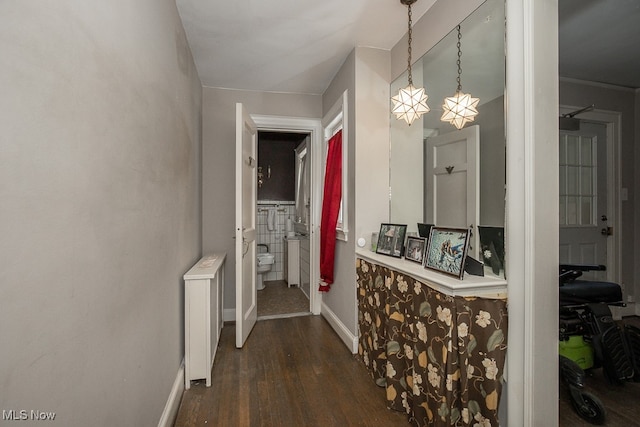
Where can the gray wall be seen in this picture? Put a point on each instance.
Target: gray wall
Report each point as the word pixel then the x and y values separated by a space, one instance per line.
pixel 100 207
pixel 622 100
pixel 218 162
pixel 492 162
pixel 341 298
pixel 365 74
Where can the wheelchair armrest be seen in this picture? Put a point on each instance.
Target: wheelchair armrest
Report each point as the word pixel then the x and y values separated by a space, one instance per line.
pixel 582 267
pixel 569 276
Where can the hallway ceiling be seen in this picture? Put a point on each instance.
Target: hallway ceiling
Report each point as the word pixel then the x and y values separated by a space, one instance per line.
pixel 600 41
pixel 298 45
pixel 287 45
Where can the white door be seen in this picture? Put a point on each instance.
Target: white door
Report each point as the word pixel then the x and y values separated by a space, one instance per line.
pixel 583 197
pixel 452 175
pixel 245 234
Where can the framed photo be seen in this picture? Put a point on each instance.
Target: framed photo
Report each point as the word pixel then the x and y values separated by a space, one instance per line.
pixel 447 250
pixel 492 245
pixel 424 230
pixel 415 249
pixel 391 239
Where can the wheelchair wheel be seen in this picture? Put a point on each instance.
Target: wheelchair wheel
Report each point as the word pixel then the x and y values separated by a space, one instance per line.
pixel 589 408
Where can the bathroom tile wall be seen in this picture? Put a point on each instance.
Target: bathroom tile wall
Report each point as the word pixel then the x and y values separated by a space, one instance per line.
pixel 274 238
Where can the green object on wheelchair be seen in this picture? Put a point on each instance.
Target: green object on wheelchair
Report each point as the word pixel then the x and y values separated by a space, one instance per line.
pixel 578 350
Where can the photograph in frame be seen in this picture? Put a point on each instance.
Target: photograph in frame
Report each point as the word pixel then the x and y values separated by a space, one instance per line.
pixel 414 250
pixel 447 250
pixel 391 239
pixel 492 247
pixel 424 230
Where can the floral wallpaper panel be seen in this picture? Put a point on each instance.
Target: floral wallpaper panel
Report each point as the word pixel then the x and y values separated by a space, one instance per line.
pixel 440 358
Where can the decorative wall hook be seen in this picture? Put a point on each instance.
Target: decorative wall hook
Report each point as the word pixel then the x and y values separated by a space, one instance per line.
pixel 449 169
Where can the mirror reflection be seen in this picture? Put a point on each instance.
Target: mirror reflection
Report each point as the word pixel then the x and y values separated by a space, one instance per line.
pixel 440 174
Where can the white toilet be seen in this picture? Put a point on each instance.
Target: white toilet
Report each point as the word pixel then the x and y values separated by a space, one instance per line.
pixel 265 263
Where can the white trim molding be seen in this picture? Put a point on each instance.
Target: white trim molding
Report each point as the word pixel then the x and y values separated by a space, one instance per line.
pixel 314 127
pixel 170 411
pixel 531 104
pixel 348 338
pixel 338 118
pixel 229 315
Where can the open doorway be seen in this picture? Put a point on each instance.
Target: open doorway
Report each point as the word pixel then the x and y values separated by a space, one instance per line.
pixel 589 180
pixel 283 201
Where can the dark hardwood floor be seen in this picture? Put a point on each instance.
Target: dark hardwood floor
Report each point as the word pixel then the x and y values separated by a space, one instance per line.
pixel 292 372
pixel 622 403
pixel 297 372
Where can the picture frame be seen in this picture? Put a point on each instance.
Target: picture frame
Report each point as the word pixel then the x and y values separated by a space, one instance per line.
pixel 447 250
pixel 424 230
pixel 414 250
pixel 492 247
pixel 391 239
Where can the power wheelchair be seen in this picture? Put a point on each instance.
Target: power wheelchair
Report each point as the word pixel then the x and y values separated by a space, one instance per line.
pixel 591 339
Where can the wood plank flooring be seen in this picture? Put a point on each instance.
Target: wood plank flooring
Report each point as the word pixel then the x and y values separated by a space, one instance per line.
pixel 297 372
pixel 292 372
pixel 622 403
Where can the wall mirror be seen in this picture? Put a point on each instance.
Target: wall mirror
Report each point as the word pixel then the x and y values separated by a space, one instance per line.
pixel 483 75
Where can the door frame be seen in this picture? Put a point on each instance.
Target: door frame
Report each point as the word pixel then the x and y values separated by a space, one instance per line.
pixel 471 136
pixel 314 128
pixel 612 121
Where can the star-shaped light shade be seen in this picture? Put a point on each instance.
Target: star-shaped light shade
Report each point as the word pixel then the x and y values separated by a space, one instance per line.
pixel 459 109
pixel 410 103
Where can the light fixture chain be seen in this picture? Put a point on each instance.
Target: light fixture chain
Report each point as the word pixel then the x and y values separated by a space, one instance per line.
pixel 409 49
pixel 410 103
pixel 459 58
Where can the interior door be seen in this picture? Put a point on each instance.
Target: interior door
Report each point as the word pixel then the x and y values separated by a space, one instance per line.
pixel 452 187
pixel 245 233
pixel 583 197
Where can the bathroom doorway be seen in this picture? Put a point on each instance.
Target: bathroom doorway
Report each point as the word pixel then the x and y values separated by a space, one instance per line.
pixel 283 217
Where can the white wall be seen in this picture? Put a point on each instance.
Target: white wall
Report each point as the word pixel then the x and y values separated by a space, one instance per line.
pixel 218 161
pixel 371 162
pixel 100 207
pixel 274 239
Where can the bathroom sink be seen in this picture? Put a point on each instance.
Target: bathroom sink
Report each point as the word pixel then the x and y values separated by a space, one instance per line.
pixel 300 228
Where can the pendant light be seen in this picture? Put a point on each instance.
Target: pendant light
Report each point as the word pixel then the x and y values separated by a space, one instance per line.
pixel 410 103
pixel 461 107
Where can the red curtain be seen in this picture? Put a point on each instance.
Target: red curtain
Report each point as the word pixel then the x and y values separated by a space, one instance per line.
pixel 330 210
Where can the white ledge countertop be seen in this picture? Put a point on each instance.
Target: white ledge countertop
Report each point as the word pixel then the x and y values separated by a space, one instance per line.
pixel 488 286
pixel 206 268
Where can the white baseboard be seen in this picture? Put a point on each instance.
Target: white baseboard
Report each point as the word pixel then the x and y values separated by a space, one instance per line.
pixel 229 315
pixel 631 309
pixel 173 402
pixel 349 339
